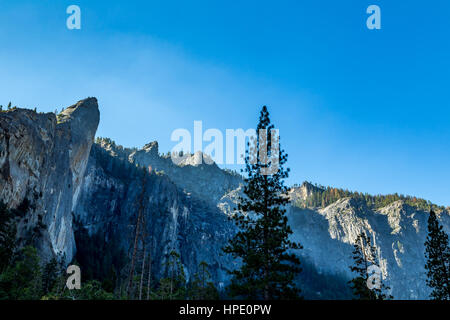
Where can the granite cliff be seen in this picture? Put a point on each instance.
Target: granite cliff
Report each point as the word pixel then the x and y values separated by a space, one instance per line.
pixel 42 161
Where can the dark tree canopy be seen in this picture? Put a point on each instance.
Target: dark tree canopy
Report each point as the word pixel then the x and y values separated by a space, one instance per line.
pixel 437 253
pixel 262 242
pixel 7 236
pixel 364 256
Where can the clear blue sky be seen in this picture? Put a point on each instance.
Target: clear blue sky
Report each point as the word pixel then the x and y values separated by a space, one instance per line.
pixel 359 109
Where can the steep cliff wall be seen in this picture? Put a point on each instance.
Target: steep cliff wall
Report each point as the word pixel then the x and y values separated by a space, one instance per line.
pixel 110 200
pixel 398 232
pixel 42 159
pixel 194 175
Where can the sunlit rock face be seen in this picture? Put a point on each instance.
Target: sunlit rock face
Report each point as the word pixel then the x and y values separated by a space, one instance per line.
pixel 115 189
pixel 43 158
pixel 397 230
pixel 52 161
pixel 194 173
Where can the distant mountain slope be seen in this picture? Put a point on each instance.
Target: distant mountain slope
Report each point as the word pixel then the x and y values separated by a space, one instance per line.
pixel 314 196
pixel 175 220
pixel 398 231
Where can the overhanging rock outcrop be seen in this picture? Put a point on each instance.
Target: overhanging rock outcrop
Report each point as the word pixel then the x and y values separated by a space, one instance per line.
pixel 43 157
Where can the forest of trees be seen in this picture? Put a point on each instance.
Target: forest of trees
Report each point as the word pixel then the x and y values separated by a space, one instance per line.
pixel 323 196
pixel 365 257
pixel 24 276
pixel 9 107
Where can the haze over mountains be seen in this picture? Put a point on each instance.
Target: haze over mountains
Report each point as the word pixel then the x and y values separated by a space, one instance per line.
pixel 79 188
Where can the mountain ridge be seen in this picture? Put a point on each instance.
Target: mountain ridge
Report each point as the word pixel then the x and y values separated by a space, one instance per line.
pixel 52 161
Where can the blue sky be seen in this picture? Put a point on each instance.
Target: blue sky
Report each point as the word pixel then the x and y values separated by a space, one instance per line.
pixel 366 110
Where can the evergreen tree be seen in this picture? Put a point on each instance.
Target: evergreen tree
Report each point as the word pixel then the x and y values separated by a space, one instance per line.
pixel 364 255
pixel 22 281
pixel 437 253
pixel 59 287
pixel 7 236
pixel 173 286
pixel 201 287
pixel 49 275
pixel 91 290
pixel 268 267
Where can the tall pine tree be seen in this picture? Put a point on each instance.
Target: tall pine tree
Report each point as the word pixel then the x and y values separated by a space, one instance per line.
pixel 262 243
pixel 173 286
pixel 8 232
pixel 201 286
pixel 437 253
pixel 364 256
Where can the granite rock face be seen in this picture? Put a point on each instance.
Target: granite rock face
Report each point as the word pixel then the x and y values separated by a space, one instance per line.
pixel 42 159
pixel 193 174
pixel 398 231
pixel 175 217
